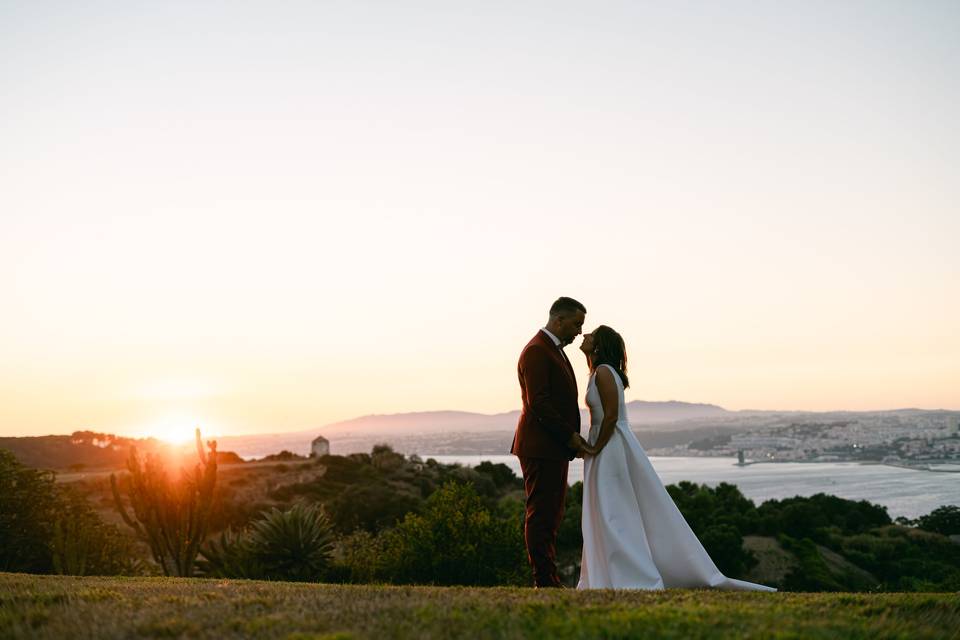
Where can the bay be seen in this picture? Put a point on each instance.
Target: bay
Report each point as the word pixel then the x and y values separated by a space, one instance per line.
pixel 905 492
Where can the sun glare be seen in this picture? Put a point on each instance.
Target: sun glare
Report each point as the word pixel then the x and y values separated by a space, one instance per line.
pixel 178 430
pixel 177 435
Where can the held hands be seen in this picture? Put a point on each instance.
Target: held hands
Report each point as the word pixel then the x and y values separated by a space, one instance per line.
pixel 578 444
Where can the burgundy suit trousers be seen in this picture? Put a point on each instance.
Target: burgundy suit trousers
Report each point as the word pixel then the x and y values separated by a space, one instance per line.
pixel 545 482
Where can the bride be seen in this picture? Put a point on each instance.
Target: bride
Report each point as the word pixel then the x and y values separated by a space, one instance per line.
pixel 634 537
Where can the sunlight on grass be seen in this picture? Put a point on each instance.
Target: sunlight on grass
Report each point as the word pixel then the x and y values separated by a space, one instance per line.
pixel 56 607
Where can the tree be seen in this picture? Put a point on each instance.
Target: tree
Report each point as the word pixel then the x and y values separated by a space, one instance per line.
pixel 372 506
pixel 725 545
pixel 503 476
pixel 944 520
pixel 49 528
pixel 171 517
pixel 28 503
pixel 802 517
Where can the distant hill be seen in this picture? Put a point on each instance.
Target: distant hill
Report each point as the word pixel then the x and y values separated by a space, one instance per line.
pixel 643 412
pixel 88 450
pixel 444 431
pixel 428 422
pixel 421 422
pixel 81 449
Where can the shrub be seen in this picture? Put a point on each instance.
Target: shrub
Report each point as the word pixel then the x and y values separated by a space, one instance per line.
pixel 229 556
pixel 293 545
pixel 801 517
pixel 570 536
pixel 904 559
pixel 725 545
pixel 811 572
pixel 704 507
pixel 82 544
pixel 455 541
pixel 357 558
pixel 28 502
pixel 503 476
pixel 944 520
pixel 372 507
pixel 48 528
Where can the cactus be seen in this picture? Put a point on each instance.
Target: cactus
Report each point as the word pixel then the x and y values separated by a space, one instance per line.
pixel 171 517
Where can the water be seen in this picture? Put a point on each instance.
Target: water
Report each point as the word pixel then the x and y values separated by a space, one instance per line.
pixel 905 492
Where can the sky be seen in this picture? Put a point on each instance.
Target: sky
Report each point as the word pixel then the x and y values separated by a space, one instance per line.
pixel 267 216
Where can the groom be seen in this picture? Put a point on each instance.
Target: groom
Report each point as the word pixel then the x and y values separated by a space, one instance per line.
pixel 548 433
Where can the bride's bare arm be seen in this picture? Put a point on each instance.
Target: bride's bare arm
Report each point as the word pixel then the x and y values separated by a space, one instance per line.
pixel 610 400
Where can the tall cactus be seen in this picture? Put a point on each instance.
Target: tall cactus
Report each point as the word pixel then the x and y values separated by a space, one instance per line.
pixel 171 517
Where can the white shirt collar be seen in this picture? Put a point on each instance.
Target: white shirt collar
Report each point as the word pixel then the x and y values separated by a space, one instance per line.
pixel 555 339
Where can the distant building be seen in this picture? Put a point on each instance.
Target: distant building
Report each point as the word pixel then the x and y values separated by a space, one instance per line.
pixel 319 447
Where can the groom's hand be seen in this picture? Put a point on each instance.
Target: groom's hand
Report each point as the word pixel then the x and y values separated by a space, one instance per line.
pixel 577 443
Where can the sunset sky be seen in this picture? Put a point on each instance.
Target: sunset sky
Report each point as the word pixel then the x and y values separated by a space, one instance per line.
pixel 270 216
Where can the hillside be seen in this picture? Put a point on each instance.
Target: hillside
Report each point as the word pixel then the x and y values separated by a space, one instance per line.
pixel 429 422
pixel 80 449
pixel 53 607
pixel 459 432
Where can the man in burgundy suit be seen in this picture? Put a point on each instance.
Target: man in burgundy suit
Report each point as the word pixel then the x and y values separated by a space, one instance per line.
pixel 548 433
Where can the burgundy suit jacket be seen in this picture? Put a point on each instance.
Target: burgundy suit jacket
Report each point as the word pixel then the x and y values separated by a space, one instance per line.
pixel 550 411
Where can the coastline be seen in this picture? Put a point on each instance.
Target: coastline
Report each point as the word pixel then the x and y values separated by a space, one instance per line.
pixel 931 467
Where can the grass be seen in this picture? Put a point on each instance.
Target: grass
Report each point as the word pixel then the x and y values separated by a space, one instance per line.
pixel 69 607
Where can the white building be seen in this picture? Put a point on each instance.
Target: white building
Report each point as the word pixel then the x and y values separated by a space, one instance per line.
pixel 319 447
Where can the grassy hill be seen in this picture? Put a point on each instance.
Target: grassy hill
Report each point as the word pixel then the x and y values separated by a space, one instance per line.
pixel 67 607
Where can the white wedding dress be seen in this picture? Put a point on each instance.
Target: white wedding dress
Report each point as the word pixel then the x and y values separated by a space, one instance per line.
pixel 634 536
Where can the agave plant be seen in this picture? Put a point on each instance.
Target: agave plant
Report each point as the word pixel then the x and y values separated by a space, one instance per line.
pixel 293 545
pixel 229 557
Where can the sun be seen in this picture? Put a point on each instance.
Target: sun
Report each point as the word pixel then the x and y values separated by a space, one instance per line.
pixel 177 429
pixel 177 434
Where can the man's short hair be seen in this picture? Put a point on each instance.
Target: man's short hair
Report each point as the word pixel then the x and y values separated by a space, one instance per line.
pixel 566 306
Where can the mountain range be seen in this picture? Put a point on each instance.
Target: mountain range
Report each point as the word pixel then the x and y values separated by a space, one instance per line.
pixel 641 414
pixel 358 433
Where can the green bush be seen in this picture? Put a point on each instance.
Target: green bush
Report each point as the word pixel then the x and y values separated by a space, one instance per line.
pixel 357 558
pixel 82 544
pixel 811 572
pixel 806 517
pixel 502 476
pixel 229 556
pixel 704 507
pixel 49 528
pixel 455 541
pixel 944 520
pixel 725 545
pixel 28 503
pixel 293 545
pixel 371 507
pixel 903 558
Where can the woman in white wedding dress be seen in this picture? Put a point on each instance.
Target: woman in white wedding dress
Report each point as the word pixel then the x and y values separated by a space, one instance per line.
pixel 634 536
